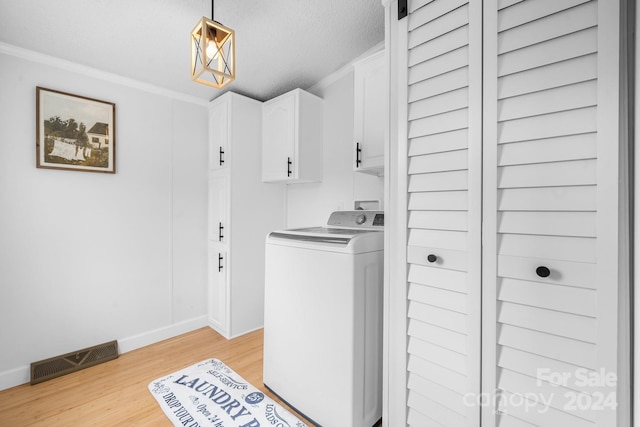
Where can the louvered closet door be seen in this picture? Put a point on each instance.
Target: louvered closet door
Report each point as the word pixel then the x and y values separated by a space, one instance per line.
pixel 550 200
pixel 443 255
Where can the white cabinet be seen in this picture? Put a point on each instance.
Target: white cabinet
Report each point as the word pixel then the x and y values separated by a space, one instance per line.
pixel 292 138
pixel 242 210
pixel 218 131
pixel 369 114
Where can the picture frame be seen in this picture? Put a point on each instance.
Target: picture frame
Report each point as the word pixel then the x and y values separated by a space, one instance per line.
pixel 74 132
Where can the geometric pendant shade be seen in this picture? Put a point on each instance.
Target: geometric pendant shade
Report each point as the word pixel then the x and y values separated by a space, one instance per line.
pixel 213 49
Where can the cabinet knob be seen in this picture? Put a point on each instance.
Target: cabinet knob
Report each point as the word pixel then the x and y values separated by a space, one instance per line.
pixel 543 271
pixel 432 258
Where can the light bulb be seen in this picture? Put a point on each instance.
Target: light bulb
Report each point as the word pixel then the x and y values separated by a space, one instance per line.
pixel 212 50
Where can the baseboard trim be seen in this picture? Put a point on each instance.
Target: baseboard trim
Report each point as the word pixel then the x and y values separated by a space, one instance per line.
pixel 21 375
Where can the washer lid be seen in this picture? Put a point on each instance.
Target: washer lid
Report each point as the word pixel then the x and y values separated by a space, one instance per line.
pixel 329 239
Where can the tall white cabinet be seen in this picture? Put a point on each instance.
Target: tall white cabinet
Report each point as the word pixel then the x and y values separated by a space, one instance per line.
pixel 510 280
pixel 242 210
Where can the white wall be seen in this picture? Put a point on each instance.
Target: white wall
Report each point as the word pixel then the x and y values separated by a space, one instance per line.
pixel 311 204
pixel 87 257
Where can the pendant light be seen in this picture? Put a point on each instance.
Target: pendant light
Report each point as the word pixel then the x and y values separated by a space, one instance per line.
pixel 213 50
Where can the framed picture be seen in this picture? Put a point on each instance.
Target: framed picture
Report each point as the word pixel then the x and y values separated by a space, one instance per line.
pixel 74 132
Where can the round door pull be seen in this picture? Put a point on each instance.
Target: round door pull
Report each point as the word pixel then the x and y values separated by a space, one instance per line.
pixel 543 271
pixel 432 258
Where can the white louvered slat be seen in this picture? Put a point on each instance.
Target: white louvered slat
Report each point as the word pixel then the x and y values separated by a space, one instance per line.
pixel 443 200
pixel 552 395
pixel 579 249
pixel 549 321
pixel 450 101
pixel 439 220
pixel 557 174
pixel 572 147
pixel 432 11
pixel 525 12
pixel 579 69
pixel 438 374
pixel 439 181
pixel 417 419
pixel 549 296
pixel 578 224
pixel 446 23
pixel 438 355
pixel 578 95
pixel 508 420
pixel 439 84
pixel 568 21
pixel 507 3
pixel 439 143
pixel 451 300
pixel 438 335
pixel 438 413
pixel 443 318
pixel 439 46
pixel 542 416
pixel 439 162
pixel 453 240
pixel 556 50
pixel 578 198
pixel 439 394
pixel 444 122
pixel 439 65
pixel 570 122
pixel 440 278
pixel 570 351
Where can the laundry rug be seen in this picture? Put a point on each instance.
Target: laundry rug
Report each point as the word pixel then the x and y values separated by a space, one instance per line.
pixel 210 394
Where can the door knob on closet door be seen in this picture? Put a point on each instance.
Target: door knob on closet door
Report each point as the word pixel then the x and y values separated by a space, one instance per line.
pixel 543 271
pixel 432 258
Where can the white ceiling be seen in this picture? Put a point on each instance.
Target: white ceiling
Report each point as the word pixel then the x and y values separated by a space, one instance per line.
pixel 281 44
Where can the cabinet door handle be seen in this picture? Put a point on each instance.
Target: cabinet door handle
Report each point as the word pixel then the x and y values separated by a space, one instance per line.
pixel 288 166
pixel 358 151
pixel 220 228
pixel 219 262
pixel 543 271
pixel 432 258
pixel 220 156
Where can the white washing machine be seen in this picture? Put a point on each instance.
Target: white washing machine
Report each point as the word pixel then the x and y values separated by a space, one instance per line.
pixel 323 319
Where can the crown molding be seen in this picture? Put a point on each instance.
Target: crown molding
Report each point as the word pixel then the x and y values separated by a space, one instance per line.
pixel 74 67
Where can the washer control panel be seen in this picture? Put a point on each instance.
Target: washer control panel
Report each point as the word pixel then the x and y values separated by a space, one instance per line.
pixel 358 219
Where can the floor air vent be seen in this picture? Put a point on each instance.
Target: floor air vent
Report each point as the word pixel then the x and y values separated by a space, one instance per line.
pixel 74 361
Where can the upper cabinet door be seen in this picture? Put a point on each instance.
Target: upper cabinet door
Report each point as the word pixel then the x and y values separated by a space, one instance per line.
pixel 219 134
pixel 292 138
pixel 369 114
pixel 278 143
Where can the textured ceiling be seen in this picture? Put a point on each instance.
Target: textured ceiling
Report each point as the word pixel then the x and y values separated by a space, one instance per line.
pixel 281 44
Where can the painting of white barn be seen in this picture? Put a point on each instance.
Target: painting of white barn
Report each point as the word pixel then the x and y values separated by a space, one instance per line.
pixel 99 135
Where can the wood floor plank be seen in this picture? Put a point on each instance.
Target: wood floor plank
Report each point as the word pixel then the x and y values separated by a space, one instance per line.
pixel 115 392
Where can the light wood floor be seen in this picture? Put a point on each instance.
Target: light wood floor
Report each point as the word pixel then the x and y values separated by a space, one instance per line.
pixel 115 393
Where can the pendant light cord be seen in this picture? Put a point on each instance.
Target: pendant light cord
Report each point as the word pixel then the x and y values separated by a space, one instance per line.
pixel 212 1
